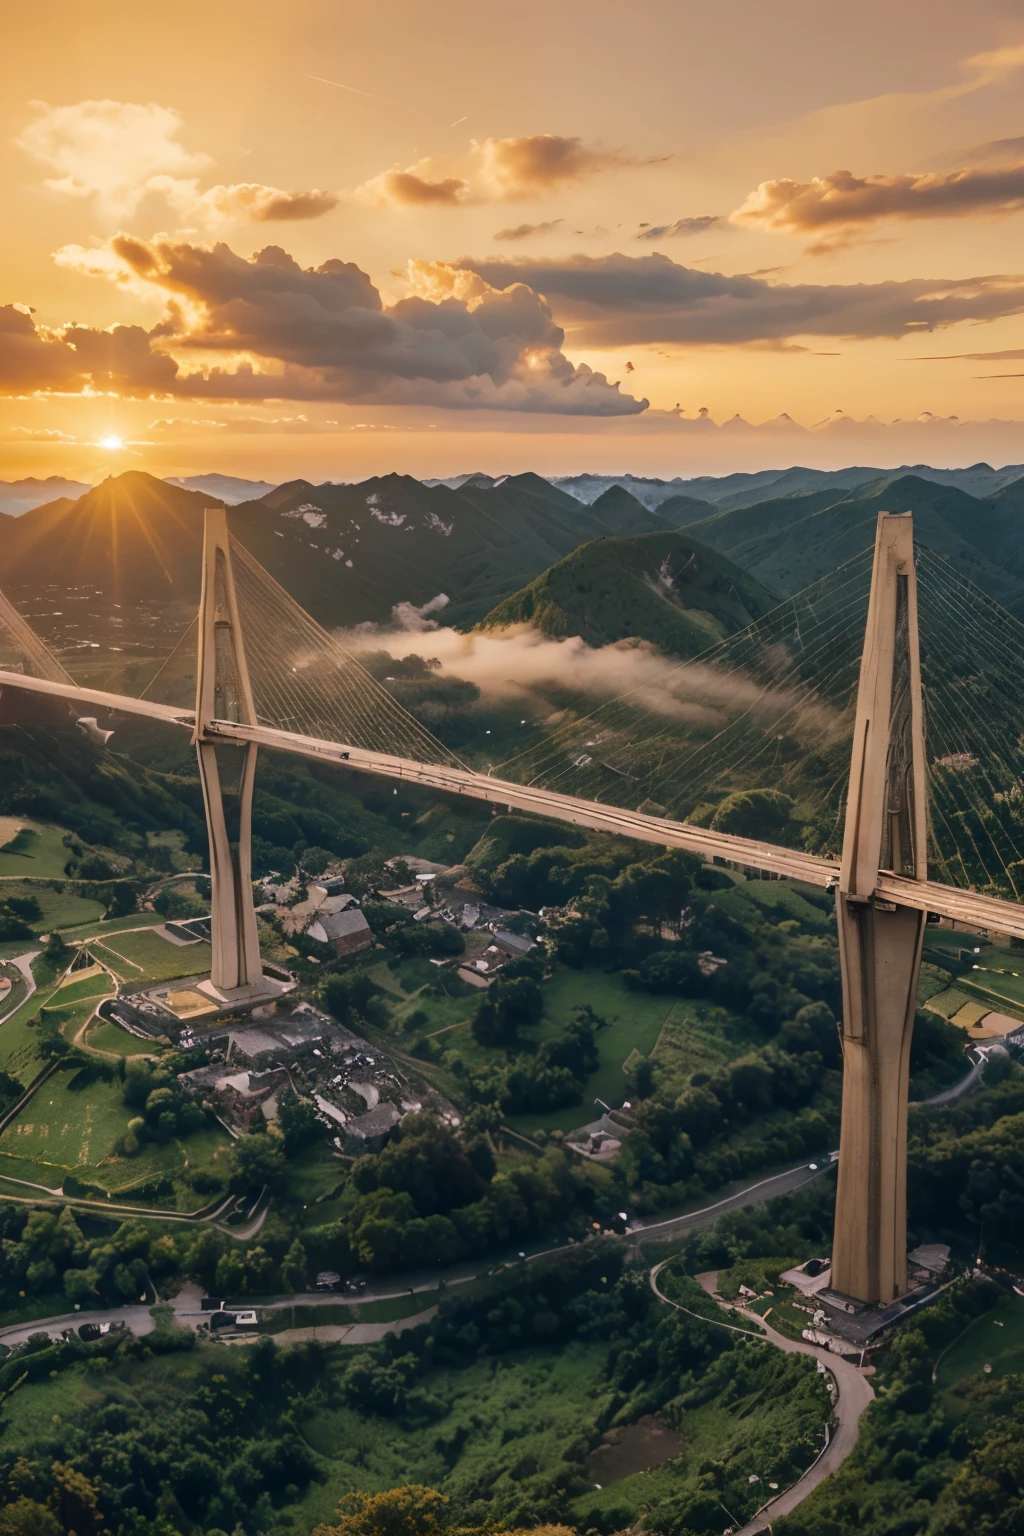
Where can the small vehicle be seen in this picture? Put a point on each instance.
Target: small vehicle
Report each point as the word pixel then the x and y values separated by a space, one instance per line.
pixel 246 1319
pixel 90 1332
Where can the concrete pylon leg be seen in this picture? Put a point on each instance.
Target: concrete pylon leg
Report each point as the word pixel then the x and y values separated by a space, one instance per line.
pixel 879 942
pixel 223 691
pixel 880 957
pixel 234 936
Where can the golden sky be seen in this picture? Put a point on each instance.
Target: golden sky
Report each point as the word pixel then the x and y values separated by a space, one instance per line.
pixel 334 239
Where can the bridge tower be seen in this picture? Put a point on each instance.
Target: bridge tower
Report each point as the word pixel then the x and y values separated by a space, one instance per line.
pixel 880 941
pixel 223 692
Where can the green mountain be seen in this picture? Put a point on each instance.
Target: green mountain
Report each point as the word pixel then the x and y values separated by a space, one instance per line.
pixel 662 587
pixel 132 538
pixel 792 541
pixel 348 553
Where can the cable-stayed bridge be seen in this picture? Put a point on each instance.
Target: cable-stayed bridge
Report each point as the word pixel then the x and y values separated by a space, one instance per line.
pixel 823 700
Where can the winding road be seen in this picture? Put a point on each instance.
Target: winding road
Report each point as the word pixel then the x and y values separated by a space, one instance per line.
pixel 853 1394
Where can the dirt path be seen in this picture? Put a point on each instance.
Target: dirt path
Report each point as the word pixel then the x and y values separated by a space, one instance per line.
pixel 854 1393
pixel 345 1333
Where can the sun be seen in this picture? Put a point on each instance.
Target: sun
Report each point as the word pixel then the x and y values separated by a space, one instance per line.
pixel 112 442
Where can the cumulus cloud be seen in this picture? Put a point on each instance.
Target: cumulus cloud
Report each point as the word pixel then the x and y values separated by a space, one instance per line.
pixel 536 163
pixel 308 334
pixel 622 300
pixel 525 231
pixel 836 206
pixel 695 226
pixel 267 205
pixel 413 188
pixel 116 154
pixel 501 171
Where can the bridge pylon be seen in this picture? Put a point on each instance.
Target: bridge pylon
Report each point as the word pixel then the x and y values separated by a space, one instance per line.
pixel 223 692
pixel 880 941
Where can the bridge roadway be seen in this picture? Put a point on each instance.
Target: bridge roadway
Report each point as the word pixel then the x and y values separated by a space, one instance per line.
pixel 968 907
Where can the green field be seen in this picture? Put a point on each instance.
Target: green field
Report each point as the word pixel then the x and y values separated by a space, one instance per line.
pixel 71 1125
pixel 141 955
pixel 104 1035
pixel 36 850
pixel 61 909
pixel 89 986
pixel 996 1338
pixel 18 1042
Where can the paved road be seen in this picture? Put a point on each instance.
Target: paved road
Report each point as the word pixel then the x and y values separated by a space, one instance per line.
pixel 959 1089
pixel 854 1393
pixel 24 964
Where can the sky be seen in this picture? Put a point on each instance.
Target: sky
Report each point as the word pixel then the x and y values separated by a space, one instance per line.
pixel 331 240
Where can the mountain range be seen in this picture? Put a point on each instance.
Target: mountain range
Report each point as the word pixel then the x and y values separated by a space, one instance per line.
pixel 349 553
pixel 517 546
pixel 746 489
pixel 790 541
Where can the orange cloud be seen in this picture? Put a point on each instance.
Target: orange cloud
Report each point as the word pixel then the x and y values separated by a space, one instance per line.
pixel 843 203
pixel 115 154
pixel 289 333
pixel 502 171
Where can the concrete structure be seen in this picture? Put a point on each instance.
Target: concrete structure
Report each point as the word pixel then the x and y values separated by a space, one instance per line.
pixel 880 940
pixel 223 692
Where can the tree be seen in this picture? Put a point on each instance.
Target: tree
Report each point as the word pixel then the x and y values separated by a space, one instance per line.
pixel 228 1276
pixel 300 1124
pixel 27 1518
pixel 295 1268
pixel 56 952
pixel 259 1161
pixel 409 1511
pixel 642 1077
pixel 315 860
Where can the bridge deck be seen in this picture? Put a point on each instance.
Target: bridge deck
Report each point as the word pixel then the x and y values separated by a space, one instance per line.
pixel 961 906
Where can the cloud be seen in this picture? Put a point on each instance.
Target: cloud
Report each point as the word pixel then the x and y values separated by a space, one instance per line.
pixel 411 188
pixel 116 154
pixel 541 162
pixel 321 333
pixel 265 205
pixel 996 149
pixel 619 300
pixel 525 231
pixel 1011 354
pixel 40 435
pixel 255 425
pixel 501 171
pixel 696 226
pixel 841 204
pixel 523 664
pixel 109 150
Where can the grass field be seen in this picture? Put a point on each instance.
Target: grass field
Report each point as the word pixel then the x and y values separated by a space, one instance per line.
pixel 19 1042
pixel 72 1124
pixel 996 1338
pixel 99 985
pixel 35 850
pixel 60 909
pixel 141 955
pixel 105 1035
